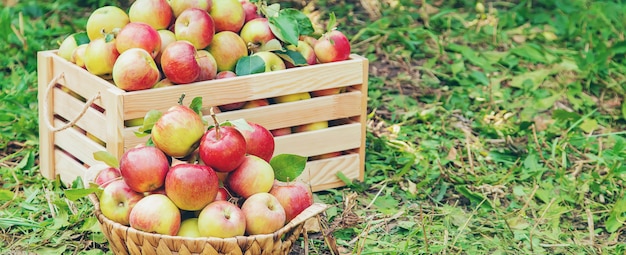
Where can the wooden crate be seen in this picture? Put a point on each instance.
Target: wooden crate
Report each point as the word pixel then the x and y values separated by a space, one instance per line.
pixel 64 88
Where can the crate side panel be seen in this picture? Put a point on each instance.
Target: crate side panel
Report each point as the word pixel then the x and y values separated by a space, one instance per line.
pixel 67 167
pixel 322 174
pixel 77 144
pixel 69 108
pixel 317 142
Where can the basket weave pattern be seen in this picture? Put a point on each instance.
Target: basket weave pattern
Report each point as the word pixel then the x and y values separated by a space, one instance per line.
pixel 126 240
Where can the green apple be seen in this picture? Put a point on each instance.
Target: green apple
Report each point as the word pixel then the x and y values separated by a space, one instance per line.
pixel 189 228
pixel 100 56
pixel 272 61
pixel 104 20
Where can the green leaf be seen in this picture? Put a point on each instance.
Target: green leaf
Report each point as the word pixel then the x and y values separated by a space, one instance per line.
pixel 151 117
pixel 344 178
pixel 332 22
pixel 305 27
pixel 271 10
pixel 285 28
pixel 616 216
pixel 81 38
pixel 474 197
pixel 196 105
pixel 271 45
pixel 293 57
pixel 75 194
pixel 287 167
pixel 241 124
pixel 480 77
pixel 6 195
pixel 109 37
pixel 107 158
pixel 249 65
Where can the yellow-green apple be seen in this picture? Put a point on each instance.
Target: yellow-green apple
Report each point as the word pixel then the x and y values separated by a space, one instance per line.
pixel 156 13
pixel 281 131
pixel 255 103
pixel 135 69
pixel 327 92
pixel 100 56
pixel 227 48
pixel 178 131
pixel 228 15
pixel 208 66
pixel 118 200
pixel 156 213
pixel 250 10
pixel 292 97
pixel 254 175
pixel 70 43
pixel 332 46
pixel 179 6
pixel 167 37
pixel 294 196
pixel 221 219
pixel 133 122
pixel 144 168
pixel 78 55
pixel 311 126
pixel 223 148
pixel 106 176
pixel 196 26
pixel 189 228
pixel 138 35
pixel 256 33
pixel 178 62
pixel 272 61
pixel 104 20
pixel 191 186
pixel 264 214
pixel 259 141
pixel 222 194
pixel 306 50
pixel 163 83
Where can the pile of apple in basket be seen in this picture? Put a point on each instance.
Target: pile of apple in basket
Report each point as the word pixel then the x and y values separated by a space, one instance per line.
pixel 159 43
pixel 193 181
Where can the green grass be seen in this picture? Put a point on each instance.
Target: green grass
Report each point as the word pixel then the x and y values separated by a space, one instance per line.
pixel 495 132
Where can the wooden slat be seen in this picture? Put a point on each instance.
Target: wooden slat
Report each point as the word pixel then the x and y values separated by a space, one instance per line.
pixel 69 108
pixel 77 144
pixel 68 167
pixel 46 138
pixel 363 118
pixel 322 174
pixel 317 142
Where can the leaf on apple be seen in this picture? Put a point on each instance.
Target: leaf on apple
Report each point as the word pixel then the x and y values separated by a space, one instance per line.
pixel 292 56
pixel 75 194
pixel 271 45
pixel 148 122
pixel 249 65
pixel 107 158
pixel 332 22
pixel 305 27
pixel 196 105
pixel 287 167
pixel 285 27
pixel 241 125
pixel 271 10
pixel 81 38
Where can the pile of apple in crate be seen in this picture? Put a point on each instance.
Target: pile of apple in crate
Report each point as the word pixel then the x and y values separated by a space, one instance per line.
pixel 196 177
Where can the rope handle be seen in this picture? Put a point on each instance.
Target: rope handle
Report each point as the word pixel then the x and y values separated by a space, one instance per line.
pixel 47 114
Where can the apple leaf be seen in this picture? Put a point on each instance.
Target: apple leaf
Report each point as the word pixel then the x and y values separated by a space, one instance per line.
pixel 196 105
pixel 249 65
pixel 75 194
pixel 332 22
pixel 305 27
pixel 293 57
pixel 287 167
pixel 107 158
pixel 285 27
pixel 271 45
pixel 81 38
pixel 109 37
pixel 271 10
pixel 148 122
pixel 241 124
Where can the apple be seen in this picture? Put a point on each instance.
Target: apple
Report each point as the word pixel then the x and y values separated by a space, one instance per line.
pixel 208 66
pixel 228 15
pixel 327 155
pixel 331 47
pixel 179 64
pixel 311 126
pixel 178 131
pixel 222 177
pixel 292 97
pixel 264 214
pixel 227 48
pixel 179 6
pixel 104 20
pixel 78 55
pixel 327 92
pixel 306 50
pixel 272 61
pixel 222 219
pixel 256 103
pixel 222 194
pixel 156 213
pixel 138 35
pixel 156 13
pixel 135 69
pixel 281 131
pixel 189 228
pixel 250 10
pixel 256 33
pixel 196 26
pixel 232 106
pixel 163 83
pixel 167 37
pixel 107 175
pixel 222 148
pixel 310 40
pixel 70 43
pixel 144 168
pixel 225 74
pixel 191 186
pixel 294 197
pixel 133 122
pixel 100 56
pixel 118 200
pixel 254 175
pixel 259 141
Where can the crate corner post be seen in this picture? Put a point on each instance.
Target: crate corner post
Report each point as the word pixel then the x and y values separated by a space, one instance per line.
pixel 46 136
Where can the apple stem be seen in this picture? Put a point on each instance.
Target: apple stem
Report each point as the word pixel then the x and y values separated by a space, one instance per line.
pixel 217 124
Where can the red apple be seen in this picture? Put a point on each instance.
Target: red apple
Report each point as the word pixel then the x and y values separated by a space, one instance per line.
pixel 178 6
pixel 100 56
pixel 264 214
pixel 259 141
pixel 138 35
pixel 222 194
pixel 179 64
pixel 232 106
pixel 156 213
pixel 144 168
pixel 117 201
pixel 135 70
pixel 281 131
pixel 255 103
pixel 189 228
pixel 256 33
pixel 104 20
pixel 106 176
pixel 250 10
pixel 208 66
pixel 221 219
pixel 331 47
pixel 156 13
pixel 227 48
pixel 225 74
pixel 254 175
pixel 228 15
pixel 191 186
pixel 222 148
pixel 178 131
pixel 196 26
pixel 294 196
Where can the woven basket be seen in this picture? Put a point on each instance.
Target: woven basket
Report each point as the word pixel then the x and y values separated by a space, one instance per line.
pixel 126 240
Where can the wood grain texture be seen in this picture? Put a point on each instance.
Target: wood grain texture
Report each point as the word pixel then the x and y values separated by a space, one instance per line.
pixel 311 143
pixel 69 168
pixel 46 139
pixel 77 144
pixel 322 174
pixel 69 108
